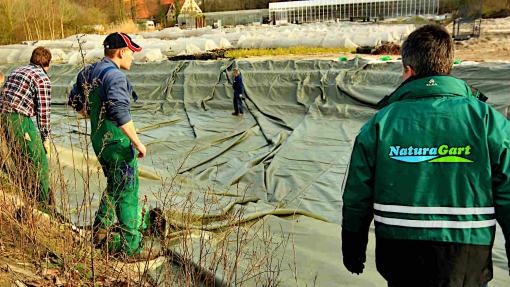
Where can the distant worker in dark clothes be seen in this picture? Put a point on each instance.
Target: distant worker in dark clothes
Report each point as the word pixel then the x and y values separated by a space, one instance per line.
pixel 432 169
pixel 25 94
pixel 238 92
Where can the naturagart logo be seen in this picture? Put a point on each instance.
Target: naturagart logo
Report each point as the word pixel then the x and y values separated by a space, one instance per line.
pixel 431 83
pixel 443 153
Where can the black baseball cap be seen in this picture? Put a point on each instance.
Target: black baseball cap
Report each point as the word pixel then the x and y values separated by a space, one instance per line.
pixel 120 40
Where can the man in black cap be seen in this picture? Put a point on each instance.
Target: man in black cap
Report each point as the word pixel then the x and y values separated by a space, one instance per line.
pixel 104 93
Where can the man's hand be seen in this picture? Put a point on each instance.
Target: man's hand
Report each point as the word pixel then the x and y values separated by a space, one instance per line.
pixel 142 150
pixel 354 246
pixel 354 264
pixel 83 113
pixel 47 148
pixel 130 131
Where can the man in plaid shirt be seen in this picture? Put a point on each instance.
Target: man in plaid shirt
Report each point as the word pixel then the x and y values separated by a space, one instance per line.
pixel 27 93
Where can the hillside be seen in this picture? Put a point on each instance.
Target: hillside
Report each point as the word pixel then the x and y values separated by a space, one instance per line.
pixel 146 9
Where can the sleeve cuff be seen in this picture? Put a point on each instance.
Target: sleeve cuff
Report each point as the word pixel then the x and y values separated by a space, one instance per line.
pixel 122 120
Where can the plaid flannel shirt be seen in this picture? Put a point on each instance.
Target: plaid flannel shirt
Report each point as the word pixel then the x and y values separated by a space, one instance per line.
pixel 27 91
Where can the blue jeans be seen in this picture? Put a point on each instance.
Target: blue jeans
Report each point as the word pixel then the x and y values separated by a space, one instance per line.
pixel 238 103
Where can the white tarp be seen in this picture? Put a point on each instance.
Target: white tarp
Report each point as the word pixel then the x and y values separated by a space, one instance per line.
pixel 174 41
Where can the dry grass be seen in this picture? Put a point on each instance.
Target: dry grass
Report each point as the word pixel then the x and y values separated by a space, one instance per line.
pixel 245 53
pixel 50 251
pixel 126 26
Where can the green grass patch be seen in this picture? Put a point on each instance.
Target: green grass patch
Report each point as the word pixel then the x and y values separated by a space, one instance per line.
pixel 244 53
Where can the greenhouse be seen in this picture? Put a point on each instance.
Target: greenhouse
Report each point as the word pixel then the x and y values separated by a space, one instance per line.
pixel 233 18
pixel 331 10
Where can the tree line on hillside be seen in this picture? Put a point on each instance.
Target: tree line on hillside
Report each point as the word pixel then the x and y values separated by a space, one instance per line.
pixel 471 8
pixel 22 20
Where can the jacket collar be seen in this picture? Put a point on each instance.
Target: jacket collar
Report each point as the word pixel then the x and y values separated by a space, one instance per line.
pixel 39 67
pixel 428 86
pixel 109 61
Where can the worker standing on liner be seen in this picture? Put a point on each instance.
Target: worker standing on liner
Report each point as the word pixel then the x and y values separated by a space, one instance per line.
pixel 25 94
pixel 104 93
pixel 238 92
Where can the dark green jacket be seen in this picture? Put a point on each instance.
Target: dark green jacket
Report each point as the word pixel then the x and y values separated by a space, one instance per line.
pixel 433 165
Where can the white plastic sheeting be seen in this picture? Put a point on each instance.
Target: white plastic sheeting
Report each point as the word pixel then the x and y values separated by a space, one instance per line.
pixel 332 35
pixel 174 41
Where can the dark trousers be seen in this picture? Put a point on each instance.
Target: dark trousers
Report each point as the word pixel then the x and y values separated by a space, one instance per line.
pixel 418 263
pixel 238 103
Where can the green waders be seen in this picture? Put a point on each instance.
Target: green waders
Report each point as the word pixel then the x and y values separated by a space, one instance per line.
pixel 120 166
pixel 28 155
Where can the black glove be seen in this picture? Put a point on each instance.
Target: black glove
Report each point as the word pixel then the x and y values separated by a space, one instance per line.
pixel 354 264
pixel 354 245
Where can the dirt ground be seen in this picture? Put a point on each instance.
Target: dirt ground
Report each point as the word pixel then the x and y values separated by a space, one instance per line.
pixel 493 44
pixel 489 47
